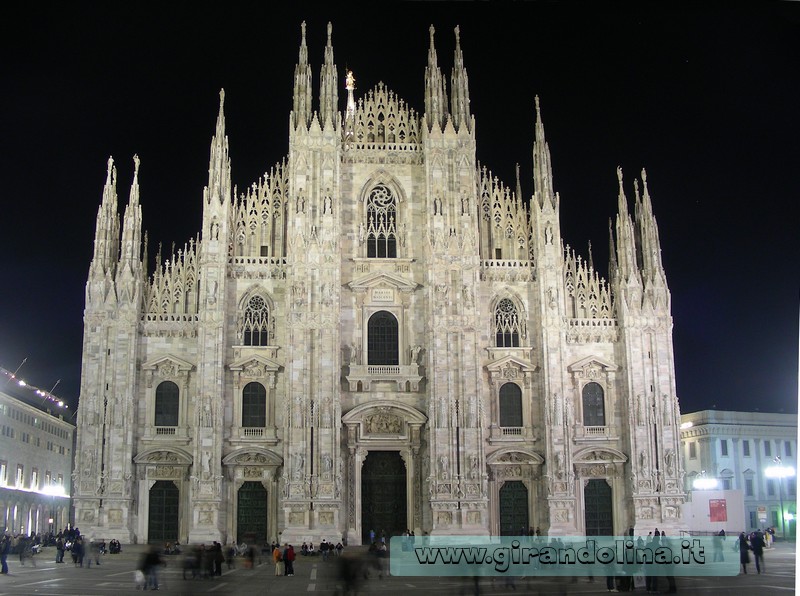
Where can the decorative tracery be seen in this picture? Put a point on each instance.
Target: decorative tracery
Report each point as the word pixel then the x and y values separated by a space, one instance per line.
pixel 508 325
pixel 381 223
pixel 255 327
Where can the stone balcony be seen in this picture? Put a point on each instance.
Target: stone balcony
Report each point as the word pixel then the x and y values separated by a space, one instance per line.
pixel 405 377
pixel 593 434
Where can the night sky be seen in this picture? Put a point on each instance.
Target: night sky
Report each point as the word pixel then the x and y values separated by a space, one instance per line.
pixel 706 99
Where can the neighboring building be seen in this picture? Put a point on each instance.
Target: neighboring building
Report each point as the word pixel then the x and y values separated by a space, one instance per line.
pixel 736 448
pixel 376 335
pixel 35 467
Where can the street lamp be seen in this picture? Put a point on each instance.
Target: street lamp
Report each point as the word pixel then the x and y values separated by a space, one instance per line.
pixel 780 472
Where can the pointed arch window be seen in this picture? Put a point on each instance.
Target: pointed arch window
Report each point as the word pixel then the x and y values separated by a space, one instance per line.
pixel 507 327
pixel 254 406
pixel 255 326
pixel 381 223
pixel 594 412
pixel 167 400
pixel 382 339
pixel 510 405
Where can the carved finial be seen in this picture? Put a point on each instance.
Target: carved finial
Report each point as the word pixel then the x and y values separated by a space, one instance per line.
pixel 432 31
pixel 538 113
pixel 458 36
pixel 221 98
pixel 330 32
pixel 110 168
pixel 644 176
pixel 619 176
pixel 135 165
pixel 303 32
pixel 349 81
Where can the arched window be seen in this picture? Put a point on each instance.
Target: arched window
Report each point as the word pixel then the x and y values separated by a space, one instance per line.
pixel 256 323
pixel 382 339
pixel 381 223
pixel 506 324
pixel 510 405
pixel 594 411
pixel 167 399
pixel 254 406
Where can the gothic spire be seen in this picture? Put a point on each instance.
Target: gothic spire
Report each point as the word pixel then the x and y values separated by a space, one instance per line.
pixel 626 238
pixel 435 95
pixel 328 86
pixel 542 170
pixel 219 167
pixel 459 89
pixel 106 237
pixel 612 252
pixel 132 225
pixel 301 105
pixel 648 234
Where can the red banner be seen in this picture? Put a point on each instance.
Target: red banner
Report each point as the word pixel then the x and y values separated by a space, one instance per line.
pixel 718 510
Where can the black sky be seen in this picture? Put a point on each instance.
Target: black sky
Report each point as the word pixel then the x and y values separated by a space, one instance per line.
pixel 704 98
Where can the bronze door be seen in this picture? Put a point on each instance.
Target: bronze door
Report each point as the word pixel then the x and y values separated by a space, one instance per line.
pixel 251 514
pixel 513 508
pixel 383 495
pixel 163 520
pixel 598 508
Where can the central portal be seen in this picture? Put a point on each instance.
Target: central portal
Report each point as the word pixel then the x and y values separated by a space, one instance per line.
pixel 383 495
pixel 251 514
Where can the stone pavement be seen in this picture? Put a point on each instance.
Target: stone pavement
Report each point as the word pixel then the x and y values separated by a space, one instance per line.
pixel 314 576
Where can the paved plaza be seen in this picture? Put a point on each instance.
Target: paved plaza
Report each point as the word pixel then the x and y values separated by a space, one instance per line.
pixel 313 575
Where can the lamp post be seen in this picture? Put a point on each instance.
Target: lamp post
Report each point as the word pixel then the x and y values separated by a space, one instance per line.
pixel 780 472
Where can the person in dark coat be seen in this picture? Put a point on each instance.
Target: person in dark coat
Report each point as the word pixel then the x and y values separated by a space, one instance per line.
pixel 757 544
pixel 149 565
pixel 744 552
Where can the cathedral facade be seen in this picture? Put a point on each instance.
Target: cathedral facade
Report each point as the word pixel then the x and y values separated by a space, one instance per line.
pixel 377 335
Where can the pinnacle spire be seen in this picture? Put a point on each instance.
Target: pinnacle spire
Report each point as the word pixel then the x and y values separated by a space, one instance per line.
pixel 435 97
pixel 542 169
pixel 328 86
pixel 626 238
pixel 219 167
pixel 648 234
pixel 132 226
pixel 106 237
pixel 459 88
pixel 301 104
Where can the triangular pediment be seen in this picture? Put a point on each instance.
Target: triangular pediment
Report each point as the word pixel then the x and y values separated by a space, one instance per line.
pixel 514 455
pixel 594 455
pixel 164 456
pixel 510 362
pixel 252 456
pixel 592 362
pixel 166 361
pixel 255 361
pixel 383 279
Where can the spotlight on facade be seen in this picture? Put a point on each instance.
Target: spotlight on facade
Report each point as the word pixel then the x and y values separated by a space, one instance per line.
pixel 704 483
pixel 780 472
pixel 686 425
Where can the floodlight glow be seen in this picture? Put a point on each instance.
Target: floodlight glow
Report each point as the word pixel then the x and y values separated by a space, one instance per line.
pixel 22 383
pixel 788 516
pixel 779 472
pixel 686 425
pixel 53 490
pixel 704 483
